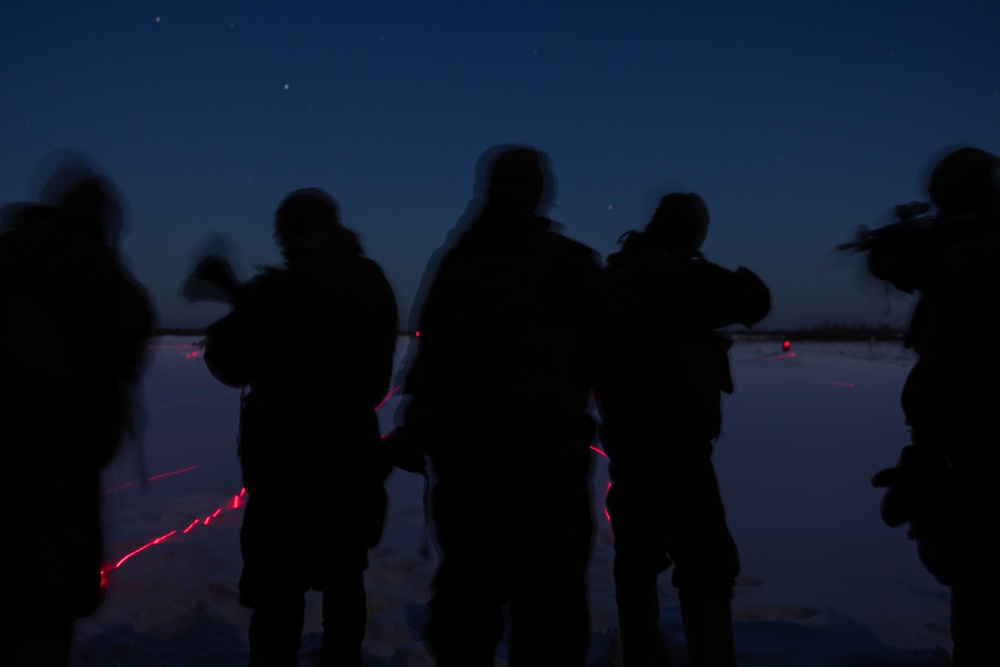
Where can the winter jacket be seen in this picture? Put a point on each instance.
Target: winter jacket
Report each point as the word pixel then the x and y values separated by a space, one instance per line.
pixel 73 330
pixel 953 388
pixel 314 342
pixel 74 326
pixel 518 327
pixel 686 299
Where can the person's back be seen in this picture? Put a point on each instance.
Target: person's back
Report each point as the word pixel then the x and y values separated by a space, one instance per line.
pixel 73 332
pixel 506 333
pixel 314 341
pixel 499 393
pixel 687 300
pixel 664 501
pixel 63 292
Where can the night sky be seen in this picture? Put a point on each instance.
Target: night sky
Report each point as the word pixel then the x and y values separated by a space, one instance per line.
pixel 795 121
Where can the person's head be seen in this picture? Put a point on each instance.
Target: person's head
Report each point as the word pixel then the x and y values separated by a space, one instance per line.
pixel 306 219
pixel 70 180
pixel 91 196
pixel 964 181
pixel 518 177
pixel 679 225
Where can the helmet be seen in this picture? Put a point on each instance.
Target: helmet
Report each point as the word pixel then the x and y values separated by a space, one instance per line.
pixel 679 223
pixel 519 176
pixel 303 214
pixel 963 180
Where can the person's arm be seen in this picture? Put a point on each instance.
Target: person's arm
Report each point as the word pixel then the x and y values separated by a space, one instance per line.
pixel 232 343
pixel 702 296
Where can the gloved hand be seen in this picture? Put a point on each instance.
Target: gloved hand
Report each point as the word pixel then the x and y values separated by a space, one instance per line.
pixel 921 474
pixel 897 503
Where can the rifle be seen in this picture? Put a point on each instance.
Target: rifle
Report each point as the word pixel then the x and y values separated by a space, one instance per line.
pixel 915 229
pixel 911 217
pixel 212 279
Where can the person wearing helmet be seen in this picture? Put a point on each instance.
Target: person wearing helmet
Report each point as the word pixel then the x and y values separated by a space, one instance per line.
pixel 664 500
pixel 314 342
pixel 945 484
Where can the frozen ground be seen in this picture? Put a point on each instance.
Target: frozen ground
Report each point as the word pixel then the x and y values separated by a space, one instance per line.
pixel 824 582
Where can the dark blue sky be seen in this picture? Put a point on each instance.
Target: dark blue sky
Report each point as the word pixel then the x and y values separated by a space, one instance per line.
pixel 796 121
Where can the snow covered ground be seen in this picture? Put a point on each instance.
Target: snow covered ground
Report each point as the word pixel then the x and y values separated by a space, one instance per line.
pixel 824 581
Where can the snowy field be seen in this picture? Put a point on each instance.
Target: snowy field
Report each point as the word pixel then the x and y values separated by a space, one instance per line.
pixel 824 581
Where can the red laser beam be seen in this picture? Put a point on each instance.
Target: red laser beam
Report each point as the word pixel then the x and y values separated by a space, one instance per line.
pixel 164 406
pixel 608 488
pixel 234 503
pixel 124 558
pixel 834 382
pixel 155 477
pixel 387 397
pixel 783 355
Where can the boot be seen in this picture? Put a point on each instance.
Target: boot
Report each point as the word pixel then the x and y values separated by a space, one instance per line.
pixel 708 626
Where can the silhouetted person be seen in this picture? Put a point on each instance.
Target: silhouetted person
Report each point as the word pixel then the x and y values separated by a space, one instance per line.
pixel 314 341
pixel 511 341
pixel 664 501
pixel 73 330
pixel 946 482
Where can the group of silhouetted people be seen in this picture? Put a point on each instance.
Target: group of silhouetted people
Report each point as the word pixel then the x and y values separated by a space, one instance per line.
pixel 521 329
pixel 548 325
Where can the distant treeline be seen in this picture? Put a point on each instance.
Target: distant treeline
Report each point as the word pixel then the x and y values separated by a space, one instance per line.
pixel 827 331
pixel 830 330
pixel 200 331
